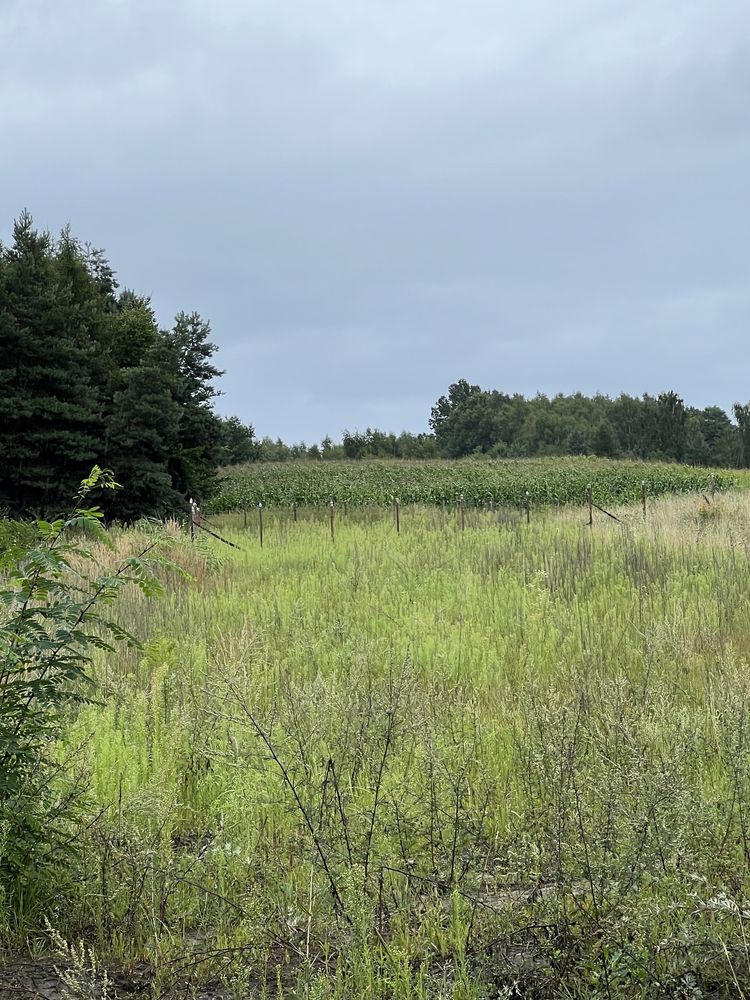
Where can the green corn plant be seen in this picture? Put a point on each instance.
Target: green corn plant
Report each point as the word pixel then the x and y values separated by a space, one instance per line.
pixel 373 483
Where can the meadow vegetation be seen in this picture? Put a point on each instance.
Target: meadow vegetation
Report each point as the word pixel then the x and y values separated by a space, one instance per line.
pixel 512 760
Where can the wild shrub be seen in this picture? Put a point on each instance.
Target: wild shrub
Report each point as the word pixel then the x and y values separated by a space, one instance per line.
pixel 55 606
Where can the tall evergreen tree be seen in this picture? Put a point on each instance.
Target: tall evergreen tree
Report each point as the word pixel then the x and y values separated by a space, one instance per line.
pixel 194 465
pixel 238 442
pixel 86 377
pixel 133 331
pixel 50 376
pixel 143 433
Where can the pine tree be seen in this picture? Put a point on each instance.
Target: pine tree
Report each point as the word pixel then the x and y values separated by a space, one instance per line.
pixel 238 442
pixel 87 377
pixel 143 437
pixel 193 466
pixel 50 377
pixel 133 331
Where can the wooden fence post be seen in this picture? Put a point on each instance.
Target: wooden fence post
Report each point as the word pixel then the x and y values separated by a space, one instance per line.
pixel 191 508
pixel 330 517
pixel 643 498
pixel 397 512
pixel 590 500
pixel 527 505
pixel 461 511
pixel 294 512
pixel 260 522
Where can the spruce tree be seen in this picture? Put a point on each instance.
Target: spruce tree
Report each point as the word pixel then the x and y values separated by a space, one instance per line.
pixel 238 442
pixel 193 466
pixel 50 377
pixel 87 377
pixel 143 437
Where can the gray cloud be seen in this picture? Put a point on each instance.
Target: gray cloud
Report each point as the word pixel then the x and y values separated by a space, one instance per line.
pixel 370 200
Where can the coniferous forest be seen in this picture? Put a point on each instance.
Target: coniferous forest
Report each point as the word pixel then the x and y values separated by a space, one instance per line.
pixel 87 376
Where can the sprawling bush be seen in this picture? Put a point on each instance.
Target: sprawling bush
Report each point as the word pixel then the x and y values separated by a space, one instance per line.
pixel 55 606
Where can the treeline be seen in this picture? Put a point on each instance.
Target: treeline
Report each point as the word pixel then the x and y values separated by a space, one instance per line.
pixel 353 444
pixel 88 377
pixel 470 420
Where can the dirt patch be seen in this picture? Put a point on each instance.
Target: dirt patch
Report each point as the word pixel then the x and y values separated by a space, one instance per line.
pixel 29 978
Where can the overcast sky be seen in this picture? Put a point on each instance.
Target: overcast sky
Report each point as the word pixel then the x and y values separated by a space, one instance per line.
pixel 371 200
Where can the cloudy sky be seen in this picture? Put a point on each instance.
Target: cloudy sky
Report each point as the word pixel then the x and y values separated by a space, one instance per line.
pixel 370 199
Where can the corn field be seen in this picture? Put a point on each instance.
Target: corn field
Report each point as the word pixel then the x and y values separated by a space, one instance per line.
pixel 375 483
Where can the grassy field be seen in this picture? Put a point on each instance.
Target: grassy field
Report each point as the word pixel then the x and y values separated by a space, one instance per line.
pixel 512 760
pixel 505 482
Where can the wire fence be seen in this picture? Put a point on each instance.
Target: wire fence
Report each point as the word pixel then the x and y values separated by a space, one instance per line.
pixel 253 518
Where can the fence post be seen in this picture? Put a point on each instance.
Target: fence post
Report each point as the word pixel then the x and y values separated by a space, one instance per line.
pixel 260 522
pixel 294 511
pixel 643 498
pixel 191 508
pixel 397 512
pixel 590 500
pixel 461 511
pixel 527 505
pixel 330 517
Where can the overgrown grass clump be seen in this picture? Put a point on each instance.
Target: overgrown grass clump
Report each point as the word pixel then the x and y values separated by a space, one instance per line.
pixel 481 482
pixel 512 760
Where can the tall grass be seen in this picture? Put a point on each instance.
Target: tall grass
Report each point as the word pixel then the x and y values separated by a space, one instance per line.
pixel 512 760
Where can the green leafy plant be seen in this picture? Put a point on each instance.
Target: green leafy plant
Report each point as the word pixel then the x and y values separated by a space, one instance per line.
pixel 55 604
